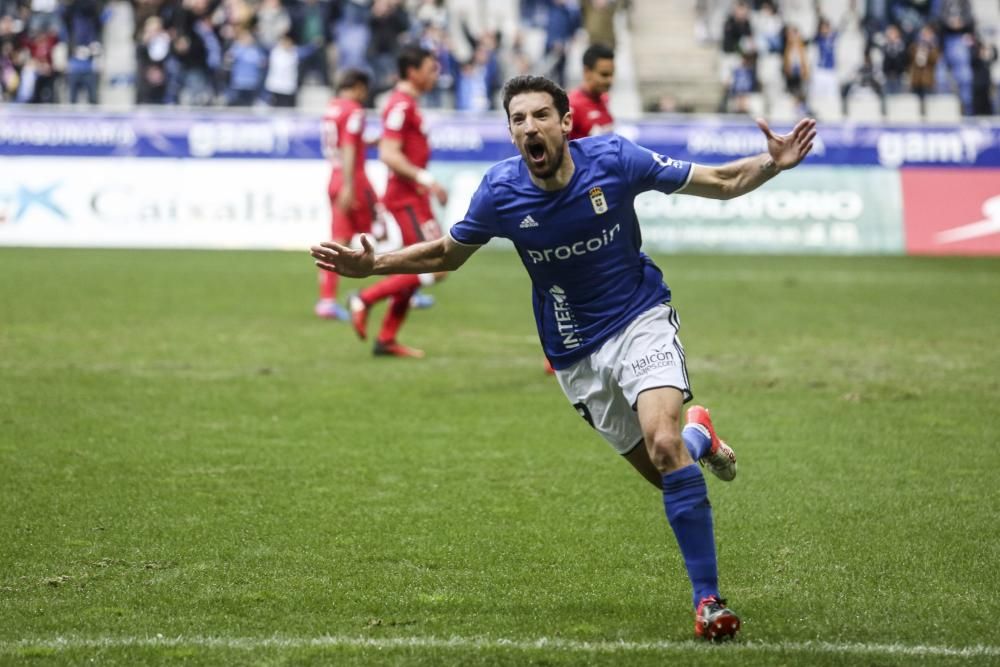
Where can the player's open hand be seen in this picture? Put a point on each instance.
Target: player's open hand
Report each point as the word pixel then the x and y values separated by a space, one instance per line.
pixel 787 150
pixel 440 194
pixel 348 262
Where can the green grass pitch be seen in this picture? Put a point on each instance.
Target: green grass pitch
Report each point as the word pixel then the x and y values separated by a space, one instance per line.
pixel 193 469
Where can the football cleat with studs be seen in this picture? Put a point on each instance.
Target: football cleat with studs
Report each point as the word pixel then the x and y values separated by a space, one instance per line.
pixel 421 301
pixel 328 309
pixel 394 349
pixel 720 459
pixel 714 621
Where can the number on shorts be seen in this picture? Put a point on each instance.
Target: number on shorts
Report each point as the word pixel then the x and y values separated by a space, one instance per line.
pixel 582 410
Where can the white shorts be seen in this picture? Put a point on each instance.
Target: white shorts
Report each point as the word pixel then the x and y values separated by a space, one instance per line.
pixel 605 386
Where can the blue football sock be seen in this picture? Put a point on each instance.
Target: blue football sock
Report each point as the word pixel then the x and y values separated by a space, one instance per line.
pixel 696 440
pixel 685 498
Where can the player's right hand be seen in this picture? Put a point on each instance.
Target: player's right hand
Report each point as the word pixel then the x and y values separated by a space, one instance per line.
pixel 440 194
pixel 348 262
pixel 345 199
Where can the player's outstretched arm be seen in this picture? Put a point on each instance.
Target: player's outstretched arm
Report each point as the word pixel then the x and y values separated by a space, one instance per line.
pixel 784 151
pixel 429 257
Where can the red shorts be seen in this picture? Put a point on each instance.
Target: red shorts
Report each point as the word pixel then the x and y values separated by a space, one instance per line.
pixel 415 219
pixel 357 219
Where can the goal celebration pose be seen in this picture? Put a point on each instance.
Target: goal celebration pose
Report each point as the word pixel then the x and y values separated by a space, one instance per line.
pixel 601 305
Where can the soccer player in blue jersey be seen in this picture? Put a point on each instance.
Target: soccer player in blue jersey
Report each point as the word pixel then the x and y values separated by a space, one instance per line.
pixel 601 305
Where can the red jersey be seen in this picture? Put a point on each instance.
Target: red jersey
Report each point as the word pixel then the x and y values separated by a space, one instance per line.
pixel 402 121
pixel 590 114
pixel 344 125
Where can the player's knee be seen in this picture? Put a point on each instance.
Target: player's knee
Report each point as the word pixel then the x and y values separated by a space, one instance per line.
pixel 666 450
pixel 441 275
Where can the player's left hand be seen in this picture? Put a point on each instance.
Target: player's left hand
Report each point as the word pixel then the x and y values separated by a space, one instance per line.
pixel 787 150
pixel 348 262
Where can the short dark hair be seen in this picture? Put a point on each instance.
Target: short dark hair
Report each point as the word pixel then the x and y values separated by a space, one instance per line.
pixel 411 56
pixel 597 52
pixel 351 77
pixel 530 83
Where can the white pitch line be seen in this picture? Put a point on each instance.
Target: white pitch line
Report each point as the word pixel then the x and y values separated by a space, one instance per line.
pixel 543 643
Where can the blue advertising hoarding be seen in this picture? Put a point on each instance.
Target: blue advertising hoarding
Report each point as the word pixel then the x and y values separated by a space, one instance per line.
pixel 174 133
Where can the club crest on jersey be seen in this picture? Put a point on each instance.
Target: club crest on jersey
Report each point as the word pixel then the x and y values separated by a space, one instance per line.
pixel 598 201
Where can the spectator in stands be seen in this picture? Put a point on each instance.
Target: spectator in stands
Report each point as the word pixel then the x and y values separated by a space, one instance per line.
pixel 44 17
pixel 766 27
pixel 864 79
pixel 876 19
pixel 485 68
pixel 246 62
pixel 983 92
pixel 234 13
pixel 795 63
pixel 194 77
pixel 10 62
pixel 563 20
pixel 312 22
pixel 436 40
pixel 824 84
pixel 282 81
pixel 353 34
pixel 742 83
pixel 924 54
pixel 152 53
pixel 475 82
pixel 910 16
pixel 205 30
pixel 388 24
pixel 39 74
pixel 82 19
pixel 533 13
pixel 516 60
pixel 431 13
pixel 599 21
pixel 273 22
pixel 737 29
pixel 895 60
pixel 957 39
pixel 10 33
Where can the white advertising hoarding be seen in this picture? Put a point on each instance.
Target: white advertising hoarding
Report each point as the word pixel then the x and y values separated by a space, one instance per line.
pixel 163 203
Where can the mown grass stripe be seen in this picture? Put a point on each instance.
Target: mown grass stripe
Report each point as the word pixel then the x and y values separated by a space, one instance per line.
pixel 478 643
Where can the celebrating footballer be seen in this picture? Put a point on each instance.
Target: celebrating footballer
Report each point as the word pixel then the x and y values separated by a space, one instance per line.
pixel 601 305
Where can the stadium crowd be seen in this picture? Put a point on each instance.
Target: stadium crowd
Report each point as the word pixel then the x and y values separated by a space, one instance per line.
pixel 897 47
pixel 256 52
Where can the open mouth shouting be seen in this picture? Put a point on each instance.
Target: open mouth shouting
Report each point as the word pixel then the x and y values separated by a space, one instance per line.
pixel 541 160
pixel 535 149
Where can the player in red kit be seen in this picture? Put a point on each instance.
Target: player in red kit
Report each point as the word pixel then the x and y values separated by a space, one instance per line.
pixel 589 102
pixel 405 149
pixel 352 199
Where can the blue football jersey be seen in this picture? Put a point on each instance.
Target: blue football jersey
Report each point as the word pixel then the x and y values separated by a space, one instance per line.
pixel 581 244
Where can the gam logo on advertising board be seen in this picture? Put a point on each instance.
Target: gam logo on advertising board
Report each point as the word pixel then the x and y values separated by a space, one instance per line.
pixel 936 147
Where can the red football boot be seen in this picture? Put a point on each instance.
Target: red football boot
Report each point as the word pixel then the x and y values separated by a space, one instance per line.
pixel 720 459
pixel 394 349
pixel 713 621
